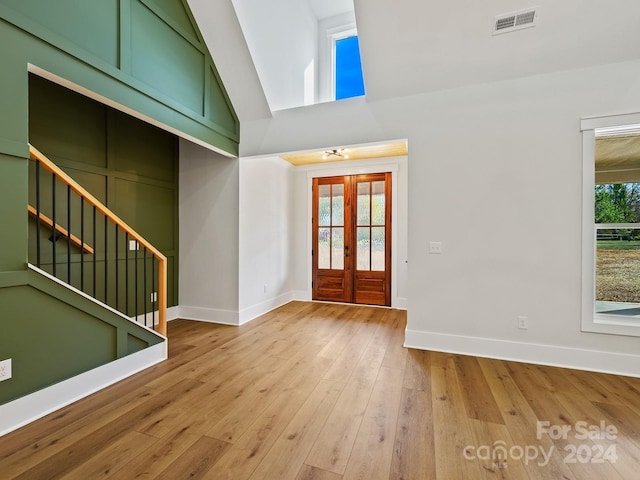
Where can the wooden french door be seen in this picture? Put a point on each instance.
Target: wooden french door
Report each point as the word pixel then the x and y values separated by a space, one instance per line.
pixel 352 239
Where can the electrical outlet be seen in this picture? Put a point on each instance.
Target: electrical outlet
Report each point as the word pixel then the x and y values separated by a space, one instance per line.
pixel 523 322
pixel 435 247
pixel 154 297
pixel 5 369
pixel 266 287
pixel 134 245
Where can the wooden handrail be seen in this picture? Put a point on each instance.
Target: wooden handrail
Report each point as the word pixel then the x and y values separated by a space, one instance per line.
pixel 61 230
pixel 51 167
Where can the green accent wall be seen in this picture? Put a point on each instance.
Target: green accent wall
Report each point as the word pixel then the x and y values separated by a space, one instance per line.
pixel 145 57
pixel 52 334
pixel 129 165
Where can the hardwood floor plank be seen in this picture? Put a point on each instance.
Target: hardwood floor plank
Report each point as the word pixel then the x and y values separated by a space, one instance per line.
pixel 414 449
pixel 494 464
pixel 621 389
pixel 346 362
pixel 522 423
pixel 312 473
pixel 554 408
pixel 396 353
pixel 89 409
pixel 46 443
pixel 417 373
pixel 152 462
pixel 373 447
pixel 452 432
pixel 286 456
pixel 588 416
pixel 478 399
pixel 196 461
pixel 626 422
pixel 301 371
pixel 110 461
pixel 341 339
pixel 83 449
pixel 253 441
pixel 590 390
pixel 333 446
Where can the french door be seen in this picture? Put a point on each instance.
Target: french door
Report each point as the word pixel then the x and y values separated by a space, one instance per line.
pixel 352 239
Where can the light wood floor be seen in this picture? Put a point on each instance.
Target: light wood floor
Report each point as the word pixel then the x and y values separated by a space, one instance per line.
pixel 327 392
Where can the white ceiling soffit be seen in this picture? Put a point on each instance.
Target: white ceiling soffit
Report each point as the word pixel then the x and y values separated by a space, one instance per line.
pixel 224 38
pixel 411 46
pixel 330 8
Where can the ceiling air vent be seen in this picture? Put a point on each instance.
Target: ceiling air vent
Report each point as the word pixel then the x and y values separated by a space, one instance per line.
pixel 510 22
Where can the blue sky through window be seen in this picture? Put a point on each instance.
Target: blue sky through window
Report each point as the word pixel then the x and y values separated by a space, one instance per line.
pixel 349 82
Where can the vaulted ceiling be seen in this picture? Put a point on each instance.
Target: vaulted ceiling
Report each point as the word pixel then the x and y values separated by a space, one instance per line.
pixel 414 46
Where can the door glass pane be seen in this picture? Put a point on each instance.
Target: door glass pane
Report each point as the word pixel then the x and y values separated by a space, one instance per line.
pixel 377 203
pixel 377 249
pixel 337 245
pixel 364 203
pixel 324 205
pixel 364 248
pixel 324 252
pixel 337 210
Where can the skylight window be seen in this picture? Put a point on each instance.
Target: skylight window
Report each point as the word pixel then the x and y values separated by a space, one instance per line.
pixel 348 68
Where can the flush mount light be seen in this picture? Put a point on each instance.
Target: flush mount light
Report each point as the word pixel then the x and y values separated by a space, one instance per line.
pixel 336 152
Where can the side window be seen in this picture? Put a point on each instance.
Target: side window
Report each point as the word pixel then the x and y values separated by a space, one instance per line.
pixel 611 225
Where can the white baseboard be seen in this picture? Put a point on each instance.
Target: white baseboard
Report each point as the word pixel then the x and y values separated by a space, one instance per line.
pixel 213 315
pixel 29 408
pixel 254 311
pixel 400 303
pixel 552 355
pixel 151 319
pixel 173 313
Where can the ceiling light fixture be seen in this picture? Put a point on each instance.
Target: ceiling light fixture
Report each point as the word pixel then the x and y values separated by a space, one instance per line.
pixel 336 152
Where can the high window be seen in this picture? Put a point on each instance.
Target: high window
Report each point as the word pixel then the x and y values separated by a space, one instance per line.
pixel 347 68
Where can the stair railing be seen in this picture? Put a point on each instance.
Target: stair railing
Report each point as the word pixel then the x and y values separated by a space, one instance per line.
pixel 100 249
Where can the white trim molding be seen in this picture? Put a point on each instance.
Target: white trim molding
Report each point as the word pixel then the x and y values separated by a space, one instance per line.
pixel 551 355
pixel 212 315
pixel 591 321
pixel 254 311
pixel 29 408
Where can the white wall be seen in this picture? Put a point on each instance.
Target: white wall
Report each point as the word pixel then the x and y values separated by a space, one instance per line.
pixel 495 174
pixel 282 36
pixel 266 235
pixel 209 203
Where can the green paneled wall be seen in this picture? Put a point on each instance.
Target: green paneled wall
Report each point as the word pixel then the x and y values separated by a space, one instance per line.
pixel 49 340
pixel 145 57
pixel 181 65
pixel 131 166
pixel 97 32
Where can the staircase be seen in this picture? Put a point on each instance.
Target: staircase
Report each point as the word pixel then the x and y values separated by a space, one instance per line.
pixel 80 242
